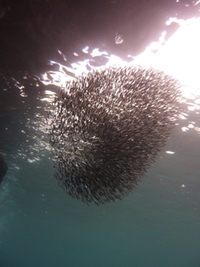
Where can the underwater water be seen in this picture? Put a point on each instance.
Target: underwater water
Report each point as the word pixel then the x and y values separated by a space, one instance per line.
pixel 157 225
pixel 40 225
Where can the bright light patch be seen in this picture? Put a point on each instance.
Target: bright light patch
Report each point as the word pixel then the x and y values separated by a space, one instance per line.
pixel 170 152
pixel 85 49
pixel 179 57
pixel 96 53
pixel 62 55
pixel 184 129
pixel 191 126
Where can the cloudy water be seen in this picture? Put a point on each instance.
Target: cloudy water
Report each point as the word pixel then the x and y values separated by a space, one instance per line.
pixel 157 225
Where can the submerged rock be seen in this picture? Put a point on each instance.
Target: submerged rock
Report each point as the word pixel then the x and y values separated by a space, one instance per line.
pixel 3 168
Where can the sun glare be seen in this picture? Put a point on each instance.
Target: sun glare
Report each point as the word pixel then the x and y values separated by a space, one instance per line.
pixel 178 56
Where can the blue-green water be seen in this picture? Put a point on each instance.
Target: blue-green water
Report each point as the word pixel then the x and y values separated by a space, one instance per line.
pixel 157 225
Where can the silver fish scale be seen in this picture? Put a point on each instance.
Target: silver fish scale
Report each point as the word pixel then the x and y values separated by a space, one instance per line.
pixel 106 129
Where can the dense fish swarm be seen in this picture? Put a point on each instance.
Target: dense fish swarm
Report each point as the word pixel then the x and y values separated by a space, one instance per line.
pixel 107 127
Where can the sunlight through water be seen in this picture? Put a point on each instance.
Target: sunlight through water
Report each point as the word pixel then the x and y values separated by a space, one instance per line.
pixel 179 56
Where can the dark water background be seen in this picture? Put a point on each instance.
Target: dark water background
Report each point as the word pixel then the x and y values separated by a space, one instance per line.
pixel 157 225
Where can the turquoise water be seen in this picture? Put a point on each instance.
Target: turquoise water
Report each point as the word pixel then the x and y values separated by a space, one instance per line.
pixel 157 225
